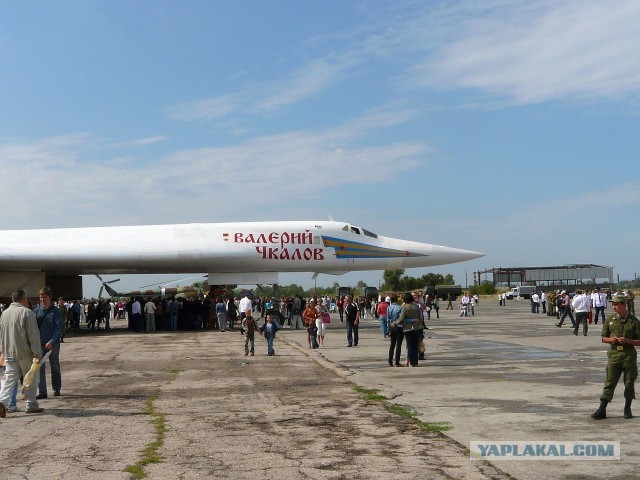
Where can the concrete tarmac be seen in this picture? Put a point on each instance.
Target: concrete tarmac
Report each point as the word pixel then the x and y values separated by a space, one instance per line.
pixel 207 411
pixel 190 405
pixel 504 375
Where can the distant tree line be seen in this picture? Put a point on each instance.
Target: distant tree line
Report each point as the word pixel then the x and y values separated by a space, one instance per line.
pixel 397 281
pixel 393 281
pixel 629 284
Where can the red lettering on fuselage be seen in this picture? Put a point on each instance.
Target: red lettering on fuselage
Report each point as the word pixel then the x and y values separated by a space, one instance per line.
pixel 281 245
pixel 284 238
pixel 307 254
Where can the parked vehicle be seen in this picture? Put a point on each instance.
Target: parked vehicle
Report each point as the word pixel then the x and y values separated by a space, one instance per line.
pixel 371 293
pixel 444 291
pixel 343 292
pixel 524 291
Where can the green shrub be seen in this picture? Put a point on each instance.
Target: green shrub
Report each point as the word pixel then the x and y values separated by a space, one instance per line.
pixel 486 288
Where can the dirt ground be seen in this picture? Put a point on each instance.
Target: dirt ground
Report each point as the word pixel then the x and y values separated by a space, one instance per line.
pixel 214 413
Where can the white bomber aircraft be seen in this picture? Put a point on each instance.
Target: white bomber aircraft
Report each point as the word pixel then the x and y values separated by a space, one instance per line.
pixel 231 253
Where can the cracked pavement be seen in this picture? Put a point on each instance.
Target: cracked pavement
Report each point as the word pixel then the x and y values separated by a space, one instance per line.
pixel 291 416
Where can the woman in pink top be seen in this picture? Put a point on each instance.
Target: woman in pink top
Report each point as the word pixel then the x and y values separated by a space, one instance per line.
pixel 382 315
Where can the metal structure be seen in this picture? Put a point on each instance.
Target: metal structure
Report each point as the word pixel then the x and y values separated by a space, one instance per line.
pixel 565 275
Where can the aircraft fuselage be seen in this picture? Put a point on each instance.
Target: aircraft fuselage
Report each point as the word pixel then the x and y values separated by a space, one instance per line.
pixel 320 247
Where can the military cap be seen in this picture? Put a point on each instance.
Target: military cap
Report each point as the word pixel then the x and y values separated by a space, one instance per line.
pixel 618 298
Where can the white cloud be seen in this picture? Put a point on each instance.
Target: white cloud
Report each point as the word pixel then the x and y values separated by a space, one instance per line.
pixel 65 180
pixel 518 52
pixel 288 89
pixel 139 142
pixel 303 83
pixel 207 109
pixel 301 159
pixel 528 52
pixel 60 151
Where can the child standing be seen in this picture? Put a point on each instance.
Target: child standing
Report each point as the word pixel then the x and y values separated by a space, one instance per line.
pixel 249 327
pixel 269 330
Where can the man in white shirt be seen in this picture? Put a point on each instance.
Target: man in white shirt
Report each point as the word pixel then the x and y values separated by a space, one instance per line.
pixel 136 314
pixel 244 305
pixel 581 304
pixel 543 301
pixel 535 303
pixel 465 303
pixel 599 301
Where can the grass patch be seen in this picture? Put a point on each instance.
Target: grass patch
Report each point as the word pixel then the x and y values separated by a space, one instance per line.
pixel 412 414
pixel 402 411
pixel 435 426
pixel 151 452
pixel 369 394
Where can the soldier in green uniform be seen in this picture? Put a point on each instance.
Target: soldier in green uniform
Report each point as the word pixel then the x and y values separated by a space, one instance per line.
pixel 551 304
pixel 622 331
pixel 630 302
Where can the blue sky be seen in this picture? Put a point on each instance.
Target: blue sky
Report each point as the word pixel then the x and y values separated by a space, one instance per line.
pixel 507 127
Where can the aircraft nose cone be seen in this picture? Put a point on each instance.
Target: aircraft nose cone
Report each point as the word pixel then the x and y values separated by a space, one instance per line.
pixel 469 255
pixel 426 254
pixel 455 255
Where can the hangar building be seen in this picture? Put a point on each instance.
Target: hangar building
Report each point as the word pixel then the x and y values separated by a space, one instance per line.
pixel 565 275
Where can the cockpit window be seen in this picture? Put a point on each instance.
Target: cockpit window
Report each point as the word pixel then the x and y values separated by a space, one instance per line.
pixel 357 231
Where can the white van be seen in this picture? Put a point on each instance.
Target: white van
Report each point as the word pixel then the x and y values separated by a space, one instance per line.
pixel 524 291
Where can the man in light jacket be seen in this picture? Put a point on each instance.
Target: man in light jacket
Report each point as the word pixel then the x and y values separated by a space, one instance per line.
pixel 20 344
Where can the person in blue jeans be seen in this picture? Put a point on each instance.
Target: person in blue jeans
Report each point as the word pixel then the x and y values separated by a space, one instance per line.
pixel 12 407
pixel 50 322
pixel 269 330
pixel 381 310
pixel 395 332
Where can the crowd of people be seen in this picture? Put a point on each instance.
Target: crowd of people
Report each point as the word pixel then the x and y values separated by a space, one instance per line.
pixel 400 319
pixel 32 334
pixel 583 307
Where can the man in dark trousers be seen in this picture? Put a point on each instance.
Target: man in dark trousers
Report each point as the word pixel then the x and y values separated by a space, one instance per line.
pixel 622 331
pixel 50 321
pixel 352 315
